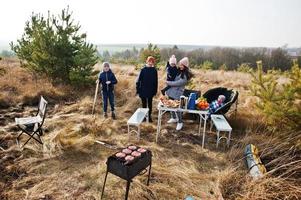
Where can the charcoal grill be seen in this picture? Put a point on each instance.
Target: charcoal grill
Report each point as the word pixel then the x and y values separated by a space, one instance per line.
pixel 128 170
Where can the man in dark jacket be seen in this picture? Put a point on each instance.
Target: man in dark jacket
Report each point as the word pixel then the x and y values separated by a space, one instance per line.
pixel 107 79
pixel 147 84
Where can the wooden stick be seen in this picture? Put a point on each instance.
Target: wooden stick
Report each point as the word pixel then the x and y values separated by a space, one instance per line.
pixel 95 97
pixel 106 144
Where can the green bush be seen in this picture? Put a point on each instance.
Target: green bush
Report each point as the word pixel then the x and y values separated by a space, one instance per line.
pixel 281 104
pixel 53 46
pixel 244 67
pixel 151 50
pixel 207 65
pixel 223 67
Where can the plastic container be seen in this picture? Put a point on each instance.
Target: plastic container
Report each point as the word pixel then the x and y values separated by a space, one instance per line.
pixel 191 101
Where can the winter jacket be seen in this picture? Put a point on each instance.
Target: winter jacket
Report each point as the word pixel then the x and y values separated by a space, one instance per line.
pixel 107 76
pixel 171 72
pixel 214 105
pixel 177 87
pixel 147 82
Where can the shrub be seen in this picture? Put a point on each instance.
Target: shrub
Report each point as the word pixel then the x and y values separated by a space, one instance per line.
pixel 223 67
pixel 244 67
pixel 53 46
pixel 281 104
pixel 207 65
pixel 151 50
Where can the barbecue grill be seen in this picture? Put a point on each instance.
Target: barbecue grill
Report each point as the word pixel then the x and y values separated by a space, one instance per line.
pixel 126 169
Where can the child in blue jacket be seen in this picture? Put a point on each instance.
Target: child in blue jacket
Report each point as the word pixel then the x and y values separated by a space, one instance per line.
pixel 107 79
pixel 172 72
pixel 214 105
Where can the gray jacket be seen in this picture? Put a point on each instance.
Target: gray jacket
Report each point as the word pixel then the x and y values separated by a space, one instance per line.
pixel 177 87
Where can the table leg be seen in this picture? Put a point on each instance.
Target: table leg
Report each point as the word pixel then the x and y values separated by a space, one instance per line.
pixel 204 131
pixel 104 184
pixel 200 125
pixel 159 125
pixel 127 189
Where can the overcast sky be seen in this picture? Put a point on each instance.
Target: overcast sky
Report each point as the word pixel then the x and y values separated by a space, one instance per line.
pixel 271 23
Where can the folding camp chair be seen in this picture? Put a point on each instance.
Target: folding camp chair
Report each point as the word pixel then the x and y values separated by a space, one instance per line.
pixel 33 125
pixel 231 98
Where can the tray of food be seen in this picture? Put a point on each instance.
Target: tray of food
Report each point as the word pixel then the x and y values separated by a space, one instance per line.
pixel 130 154
pixel 169 102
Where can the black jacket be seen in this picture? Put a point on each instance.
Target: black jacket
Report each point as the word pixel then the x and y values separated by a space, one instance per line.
pixel 147 82
pixel 107 76
pixel 172 72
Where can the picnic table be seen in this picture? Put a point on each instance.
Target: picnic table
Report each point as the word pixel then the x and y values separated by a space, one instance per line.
pixel 204 114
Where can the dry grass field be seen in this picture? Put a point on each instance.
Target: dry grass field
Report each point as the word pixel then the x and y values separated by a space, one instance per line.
pixel 70 165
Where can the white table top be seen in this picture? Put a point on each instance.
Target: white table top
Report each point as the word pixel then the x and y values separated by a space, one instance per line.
pixel 138 116
pixel 162 107
pixel 221 123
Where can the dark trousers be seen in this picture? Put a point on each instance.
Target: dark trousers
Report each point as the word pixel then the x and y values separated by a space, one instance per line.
pixel 105 96
pixel 148 103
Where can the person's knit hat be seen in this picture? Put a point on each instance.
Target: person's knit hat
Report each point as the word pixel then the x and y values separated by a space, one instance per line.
pixel 184 61
pixel 106 64
pixel 173 60
pixel 150 59
pixel 221 98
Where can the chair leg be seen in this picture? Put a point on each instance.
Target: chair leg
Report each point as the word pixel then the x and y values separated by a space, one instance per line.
pixel 20 135
pixel 26 142
pixel 41 132
pixel 31 136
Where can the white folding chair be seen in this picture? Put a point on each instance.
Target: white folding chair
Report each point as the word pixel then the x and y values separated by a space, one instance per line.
pixel 32 126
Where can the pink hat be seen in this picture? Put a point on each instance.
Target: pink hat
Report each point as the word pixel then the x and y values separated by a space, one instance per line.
pixel 184 61
pixel 173 60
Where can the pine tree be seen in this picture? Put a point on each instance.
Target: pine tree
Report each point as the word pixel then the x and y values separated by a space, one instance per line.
pixel 281 104
pixel 151 50
pixel 54 47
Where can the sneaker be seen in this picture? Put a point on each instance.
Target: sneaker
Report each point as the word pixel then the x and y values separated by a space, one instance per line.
pixel 113 115
pixel 105 115
pixel 179 126
pixel 172 120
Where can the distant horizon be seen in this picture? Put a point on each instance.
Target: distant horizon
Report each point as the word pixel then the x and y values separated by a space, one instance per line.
pixel 5 44
pixel 231 23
